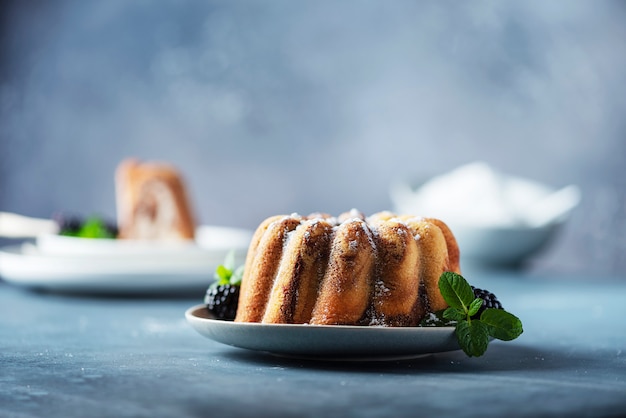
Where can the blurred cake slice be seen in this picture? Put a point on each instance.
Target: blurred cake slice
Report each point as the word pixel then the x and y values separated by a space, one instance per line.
pixel 152 202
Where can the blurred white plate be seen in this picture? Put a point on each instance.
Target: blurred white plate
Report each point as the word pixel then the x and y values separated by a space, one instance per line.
pixel 326 342
pixel 108 266
pixel 208 238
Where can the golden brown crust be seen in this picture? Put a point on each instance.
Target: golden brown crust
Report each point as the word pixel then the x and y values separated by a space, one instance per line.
pixel 381 216
pixel 351 214
pixel 256 239
pixel 245 309
pixel 258 280
pixel 396 299
pixel 346 286
pixel 295 288
pixel 434 259
pixel 454 256
pixel 152 202
pixel 349 270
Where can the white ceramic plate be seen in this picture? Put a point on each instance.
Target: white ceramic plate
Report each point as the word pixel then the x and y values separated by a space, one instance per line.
pixel 208 238
pixel 324 341
pixel 143 269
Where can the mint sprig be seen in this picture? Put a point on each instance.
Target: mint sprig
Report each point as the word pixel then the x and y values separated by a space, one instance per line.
pixel 227 273
pixel 93 227
pixel 474 335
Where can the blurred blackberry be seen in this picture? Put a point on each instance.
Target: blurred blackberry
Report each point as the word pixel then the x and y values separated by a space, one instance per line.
pixel 68 224
pixel 72 225
pixel 112 228
pixel 489 301
pixel 222 301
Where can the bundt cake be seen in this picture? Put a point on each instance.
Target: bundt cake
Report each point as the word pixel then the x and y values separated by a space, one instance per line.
pixel 348 270
pixel 152 202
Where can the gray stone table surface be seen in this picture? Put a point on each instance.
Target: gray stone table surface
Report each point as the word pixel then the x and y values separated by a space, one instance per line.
pixel 87 356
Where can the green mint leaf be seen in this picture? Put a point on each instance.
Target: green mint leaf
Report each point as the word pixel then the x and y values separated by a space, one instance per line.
pixel 223 274
pixel 226 273
pixel 455 290
pixel 235 279
pixel 501 324
pixel 475 306
pixel 94 227
pixel 473 337
pixel 454 314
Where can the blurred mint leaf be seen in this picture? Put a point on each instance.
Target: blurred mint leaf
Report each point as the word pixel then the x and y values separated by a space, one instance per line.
pixel 226 273
pixel 237 276
pixel 94 227
pixel 229 260
pixel 222 274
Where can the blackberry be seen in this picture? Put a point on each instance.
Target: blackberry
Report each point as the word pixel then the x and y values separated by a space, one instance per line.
pixel 222 300
pixel 489 301
pixel 77 226
pixel 68 224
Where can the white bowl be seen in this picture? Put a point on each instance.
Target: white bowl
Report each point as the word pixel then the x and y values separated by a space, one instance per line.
pixel 502 246
pixel 497 219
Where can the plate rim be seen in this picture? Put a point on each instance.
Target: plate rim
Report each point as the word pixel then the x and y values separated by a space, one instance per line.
pixel 216 330
pixel 24 264
pixel 67 246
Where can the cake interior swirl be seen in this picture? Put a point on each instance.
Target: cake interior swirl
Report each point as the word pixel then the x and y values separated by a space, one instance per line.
pixel 152 202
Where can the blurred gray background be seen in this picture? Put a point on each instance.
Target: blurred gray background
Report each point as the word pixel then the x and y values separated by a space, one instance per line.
pixel 281 106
